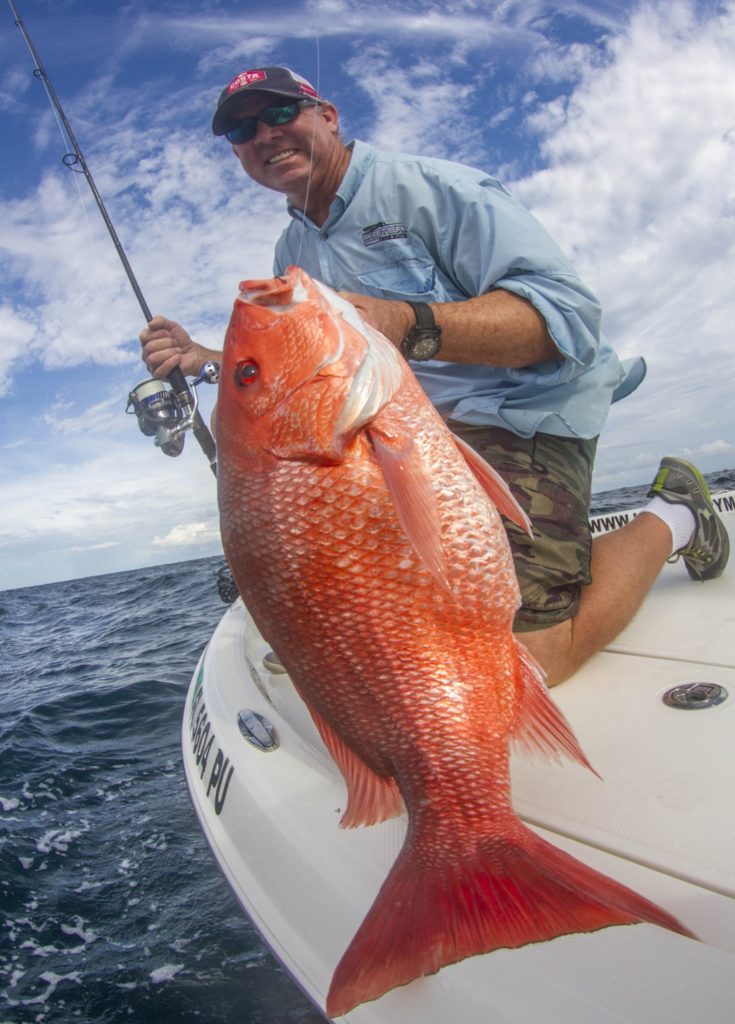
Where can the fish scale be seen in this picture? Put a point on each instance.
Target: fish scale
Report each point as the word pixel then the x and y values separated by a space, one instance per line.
pixel 363 540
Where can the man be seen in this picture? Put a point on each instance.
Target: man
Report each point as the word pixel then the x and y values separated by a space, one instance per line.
pixel 501 333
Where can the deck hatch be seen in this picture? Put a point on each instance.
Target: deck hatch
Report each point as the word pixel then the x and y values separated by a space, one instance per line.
pixel 695 696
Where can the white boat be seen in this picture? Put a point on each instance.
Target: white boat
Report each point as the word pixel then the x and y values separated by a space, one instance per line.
pixel 655 714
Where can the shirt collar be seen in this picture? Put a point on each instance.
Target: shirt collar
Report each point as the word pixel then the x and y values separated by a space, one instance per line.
pixel 363 156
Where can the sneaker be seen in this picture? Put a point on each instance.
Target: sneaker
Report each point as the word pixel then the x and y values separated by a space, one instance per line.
pixel 680 483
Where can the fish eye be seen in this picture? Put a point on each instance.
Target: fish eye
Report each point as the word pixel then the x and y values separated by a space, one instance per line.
pixel 247 372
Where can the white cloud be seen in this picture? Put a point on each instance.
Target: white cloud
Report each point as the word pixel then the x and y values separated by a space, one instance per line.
pixel 13 85
pixel 102 513
pixel 102 546
pixel 187 534
pixel 102 418
pixel 411 104
pixel 639 189
pixel 247 52
pixel 718 447
pixel 413 21
pixel 644 145
pixel 562 64
pixel 17 337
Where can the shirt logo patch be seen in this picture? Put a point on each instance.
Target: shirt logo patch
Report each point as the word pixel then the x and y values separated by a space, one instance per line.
pixel 382 232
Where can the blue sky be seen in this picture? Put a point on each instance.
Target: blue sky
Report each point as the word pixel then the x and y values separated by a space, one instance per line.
pixel 613 122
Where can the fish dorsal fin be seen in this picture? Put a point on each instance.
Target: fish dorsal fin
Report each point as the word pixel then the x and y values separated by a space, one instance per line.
pixel 494 486
pixel 409 486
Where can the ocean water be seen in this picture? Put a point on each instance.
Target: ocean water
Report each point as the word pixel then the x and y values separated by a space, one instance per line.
pixel 112 907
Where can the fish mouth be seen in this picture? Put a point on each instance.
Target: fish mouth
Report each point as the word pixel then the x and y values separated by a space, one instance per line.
pixel 278 157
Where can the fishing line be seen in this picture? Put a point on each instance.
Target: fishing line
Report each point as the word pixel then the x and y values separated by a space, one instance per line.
pixel 302 235
pixel 64 138
pixel 180 399
pixel 77 185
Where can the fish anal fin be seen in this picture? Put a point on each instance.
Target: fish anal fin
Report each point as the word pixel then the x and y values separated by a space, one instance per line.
pixel 539 725
pixel 411 491
pixel 370 797
pixel 506 892
pixel 494 486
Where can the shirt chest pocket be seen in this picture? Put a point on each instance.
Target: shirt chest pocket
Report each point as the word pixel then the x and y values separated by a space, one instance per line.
pixel 412 277
pixel 404 272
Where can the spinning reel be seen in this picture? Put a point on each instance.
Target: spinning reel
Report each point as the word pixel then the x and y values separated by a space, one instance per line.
pixel 165 414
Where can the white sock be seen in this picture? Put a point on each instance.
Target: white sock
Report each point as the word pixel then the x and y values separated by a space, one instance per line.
pixel 679 519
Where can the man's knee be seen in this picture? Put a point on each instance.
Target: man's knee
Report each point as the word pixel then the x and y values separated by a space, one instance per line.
pixel 553 649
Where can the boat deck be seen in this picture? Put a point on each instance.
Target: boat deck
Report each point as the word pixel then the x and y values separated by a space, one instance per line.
pixel 661 821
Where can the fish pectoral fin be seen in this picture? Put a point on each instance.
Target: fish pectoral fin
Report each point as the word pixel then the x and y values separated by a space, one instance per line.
pixel 539 725
pixel 370 797
pixel 409 486
pixel 494 486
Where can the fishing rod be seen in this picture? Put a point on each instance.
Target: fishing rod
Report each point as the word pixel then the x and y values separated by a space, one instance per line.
pixel 164 413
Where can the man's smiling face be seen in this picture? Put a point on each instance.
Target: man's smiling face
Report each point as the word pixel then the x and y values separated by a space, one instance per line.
pixel 293 157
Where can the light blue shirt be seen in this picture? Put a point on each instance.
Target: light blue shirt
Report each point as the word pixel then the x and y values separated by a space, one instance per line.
pixel 407 227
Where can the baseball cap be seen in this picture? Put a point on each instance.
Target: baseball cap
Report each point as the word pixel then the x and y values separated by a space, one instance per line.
pixel 280 81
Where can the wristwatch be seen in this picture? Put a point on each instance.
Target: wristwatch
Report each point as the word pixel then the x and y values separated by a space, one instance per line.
pixel 423 340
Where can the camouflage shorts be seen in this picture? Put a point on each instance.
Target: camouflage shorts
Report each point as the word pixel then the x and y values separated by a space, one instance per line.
pixel 551 479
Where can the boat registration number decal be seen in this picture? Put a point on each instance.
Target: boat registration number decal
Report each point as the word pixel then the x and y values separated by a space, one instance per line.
pixel 215 770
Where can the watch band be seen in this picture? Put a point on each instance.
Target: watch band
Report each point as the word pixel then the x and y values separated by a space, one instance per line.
pixel 424 317
pixel 423 339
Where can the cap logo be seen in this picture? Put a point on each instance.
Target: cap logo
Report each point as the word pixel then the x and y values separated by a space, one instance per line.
pixel 308 89
pixel 245 78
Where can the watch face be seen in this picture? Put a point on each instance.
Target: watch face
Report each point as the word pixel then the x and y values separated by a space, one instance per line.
pixel 422 345
pixel 426 347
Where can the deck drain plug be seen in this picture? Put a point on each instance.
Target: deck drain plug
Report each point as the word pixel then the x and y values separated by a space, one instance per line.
pixel 694 696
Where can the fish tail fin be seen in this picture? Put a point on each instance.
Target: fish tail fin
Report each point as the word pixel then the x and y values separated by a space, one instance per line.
pixel 508 893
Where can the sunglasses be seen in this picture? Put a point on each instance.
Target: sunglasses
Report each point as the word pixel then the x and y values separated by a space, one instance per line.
pixel 274 116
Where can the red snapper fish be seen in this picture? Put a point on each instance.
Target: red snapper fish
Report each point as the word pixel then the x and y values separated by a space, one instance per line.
pixel 366 543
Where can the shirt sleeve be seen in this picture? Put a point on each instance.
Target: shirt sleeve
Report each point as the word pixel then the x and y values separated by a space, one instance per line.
pixel 485 239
